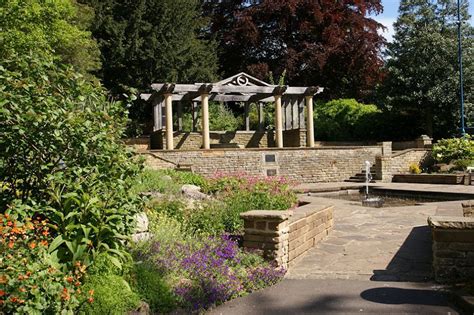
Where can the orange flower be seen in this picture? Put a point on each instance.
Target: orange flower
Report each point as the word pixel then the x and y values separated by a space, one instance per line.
pixel 28 273
pixel 77 284
pixel 65 294
pixel 70 279
pixel 11 244
pixel 32 245
pixel 22 289
pixel 21 277
pixel 91 292
pixel 9 223
pixel 13 299
pixel 2 293
pixel 90 300
pixel 44 243
pixel 3 279
pixel 45 233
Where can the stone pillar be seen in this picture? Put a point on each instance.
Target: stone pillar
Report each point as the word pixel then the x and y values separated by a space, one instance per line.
pixel 383 168
pixel 278 122
pixel 247 117
pixel 205 121
pixel 423 141
pixel 260 117
pixel 309 122
pixel 268 231
pixel 387 148
pixel 169 121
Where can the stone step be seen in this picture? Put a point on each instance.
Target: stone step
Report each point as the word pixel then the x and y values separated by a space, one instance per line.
pixel 357 180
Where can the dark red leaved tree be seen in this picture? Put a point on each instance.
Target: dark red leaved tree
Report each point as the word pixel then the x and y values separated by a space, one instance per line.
pixel 331 43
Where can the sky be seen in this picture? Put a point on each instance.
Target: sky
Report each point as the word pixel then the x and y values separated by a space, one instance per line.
pixel 390 13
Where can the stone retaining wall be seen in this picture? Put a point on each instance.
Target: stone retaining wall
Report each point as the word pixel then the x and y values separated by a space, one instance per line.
pixel 401 161
pixel 284 236
pixel 298 164
pixel 229 139
pixel 453 248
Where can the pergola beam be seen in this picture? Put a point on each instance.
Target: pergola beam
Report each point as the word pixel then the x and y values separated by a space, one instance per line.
pixel 272 90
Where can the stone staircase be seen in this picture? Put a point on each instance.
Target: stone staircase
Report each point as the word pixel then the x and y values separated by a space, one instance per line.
pixel 360 177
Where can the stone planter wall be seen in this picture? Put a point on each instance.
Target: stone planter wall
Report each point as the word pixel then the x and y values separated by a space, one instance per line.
pixel 448 179
pixel 284 236
pixel 453 248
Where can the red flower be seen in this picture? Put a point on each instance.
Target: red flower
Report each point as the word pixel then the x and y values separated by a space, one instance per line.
pixel 2 293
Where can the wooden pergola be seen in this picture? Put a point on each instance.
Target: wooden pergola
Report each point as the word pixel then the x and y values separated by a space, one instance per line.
pixel 238 88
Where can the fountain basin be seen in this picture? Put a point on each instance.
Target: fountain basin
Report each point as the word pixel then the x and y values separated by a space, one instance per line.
pixel 375 202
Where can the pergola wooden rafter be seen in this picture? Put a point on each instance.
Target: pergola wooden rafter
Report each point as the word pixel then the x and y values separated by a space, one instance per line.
pixel 238 88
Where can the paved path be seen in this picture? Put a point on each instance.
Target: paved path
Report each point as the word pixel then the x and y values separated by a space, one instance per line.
pixel 294 297
pixel 375 260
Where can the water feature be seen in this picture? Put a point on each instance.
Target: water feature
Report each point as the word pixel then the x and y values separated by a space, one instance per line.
pixel 368 201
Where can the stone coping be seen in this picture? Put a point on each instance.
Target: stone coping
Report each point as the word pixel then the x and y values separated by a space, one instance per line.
pixel 270 149
pixel 401 152
pixel 267 214
pixel 313 205
pixel 452 223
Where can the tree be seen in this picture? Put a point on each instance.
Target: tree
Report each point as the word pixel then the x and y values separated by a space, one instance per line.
pixel 146 41
pixel 329 43
pixel 423 66
pixel 51 29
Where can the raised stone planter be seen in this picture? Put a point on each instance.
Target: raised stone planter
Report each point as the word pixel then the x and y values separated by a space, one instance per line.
pixel 453 248
pixel 284 236
pixel 449 179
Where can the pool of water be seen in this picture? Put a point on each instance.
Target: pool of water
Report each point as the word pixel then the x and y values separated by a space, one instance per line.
pixel 390 199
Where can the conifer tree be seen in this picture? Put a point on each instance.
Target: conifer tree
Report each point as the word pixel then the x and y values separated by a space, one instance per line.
pixel 423 72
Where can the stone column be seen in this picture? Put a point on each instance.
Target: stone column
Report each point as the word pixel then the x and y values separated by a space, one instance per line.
pixel 260 117
pixel 169 121
pixel 278 122
pixel 309 122
pixel 205 121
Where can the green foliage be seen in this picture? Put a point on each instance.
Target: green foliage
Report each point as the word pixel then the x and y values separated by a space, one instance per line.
pixel 31 280
pixel 221 118
pixel 422 68
pixel 447 150
pixel 153 288
pixel 414 168
pixel 462 165
pixel 61 149
pixel 154 181
pixel 345 119
pixel 209 218
pixel 112 295
pixel 50 29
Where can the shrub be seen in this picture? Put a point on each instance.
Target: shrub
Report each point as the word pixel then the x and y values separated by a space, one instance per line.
pixel 154 181
pixel 345 119
pixel 31 280
pixel 462 165
pixel 153 289
pixel 221 118
pixel 447 150
pixel 414 168
pixel 62 154
pixel 112 295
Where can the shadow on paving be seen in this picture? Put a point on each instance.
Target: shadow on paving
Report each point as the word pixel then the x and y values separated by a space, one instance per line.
pixel 413 260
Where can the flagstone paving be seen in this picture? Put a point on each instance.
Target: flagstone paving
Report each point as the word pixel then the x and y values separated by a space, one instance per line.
pixel 375 260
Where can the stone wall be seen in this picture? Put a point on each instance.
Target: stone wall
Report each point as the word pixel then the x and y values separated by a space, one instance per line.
pixel 401 161
pixel 298 164
pixel 468 208
pixel 453 248
pixel 229 139
pixel 284 236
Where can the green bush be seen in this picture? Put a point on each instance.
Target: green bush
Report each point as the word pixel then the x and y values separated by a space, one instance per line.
pixel 221 118
pixel 62 154
pixel 345 120
pixel 153 289
pixel 447 150
pixel 112 295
